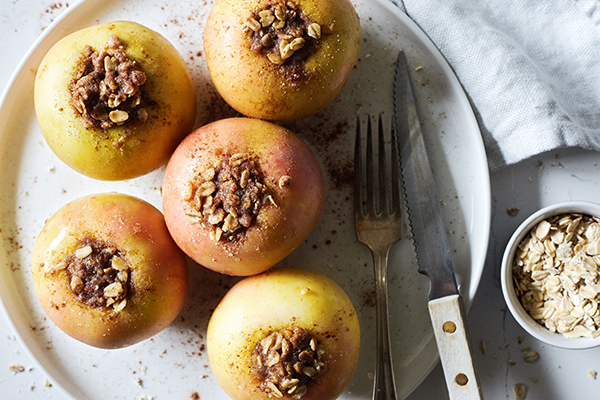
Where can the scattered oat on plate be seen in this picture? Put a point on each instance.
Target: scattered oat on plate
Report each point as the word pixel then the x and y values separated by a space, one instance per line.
pixel 520 391
pixel 16 368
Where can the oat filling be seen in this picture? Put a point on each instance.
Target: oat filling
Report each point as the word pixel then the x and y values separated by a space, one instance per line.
pixel 106 88
pixel 285 35
pixel 286 361
pixel 227 196
pixel 98 275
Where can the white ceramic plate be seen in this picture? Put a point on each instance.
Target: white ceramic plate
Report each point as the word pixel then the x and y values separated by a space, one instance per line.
pixel 174 364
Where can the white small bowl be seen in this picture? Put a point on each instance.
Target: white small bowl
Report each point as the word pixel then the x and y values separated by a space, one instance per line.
pixel 534 328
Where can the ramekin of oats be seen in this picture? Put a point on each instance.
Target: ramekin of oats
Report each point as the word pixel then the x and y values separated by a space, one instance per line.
pixel 550 275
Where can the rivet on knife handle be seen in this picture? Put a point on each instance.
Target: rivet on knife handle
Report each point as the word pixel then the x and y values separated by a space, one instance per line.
pixel 447 317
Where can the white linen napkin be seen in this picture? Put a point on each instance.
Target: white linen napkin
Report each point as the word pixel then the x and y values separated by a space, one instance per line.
pixel 531 69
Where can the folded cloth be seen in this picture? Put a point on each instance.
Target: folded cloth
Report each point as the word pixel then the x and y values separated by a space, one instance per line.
pixel 531 69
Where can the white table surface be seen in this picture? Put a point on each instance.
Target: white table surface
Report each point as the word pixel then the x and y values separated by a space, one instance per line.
pixel 499 343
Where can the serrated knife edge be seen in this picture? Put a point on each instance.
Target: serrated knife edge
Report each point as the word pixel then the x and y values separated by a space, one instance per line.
pixel 431 245
pixel 423 208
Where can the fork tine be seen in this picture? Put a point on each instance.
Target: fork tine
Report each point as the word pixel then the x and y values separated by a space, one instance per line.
pixel 395 170
pixel 370 170
pixel 387 199
pixel 383 195
pixel 358 178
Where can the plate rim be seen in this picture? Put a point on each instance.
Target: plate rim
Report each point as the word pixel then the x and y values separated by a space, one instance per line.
pixel 51 31
pixel 461 93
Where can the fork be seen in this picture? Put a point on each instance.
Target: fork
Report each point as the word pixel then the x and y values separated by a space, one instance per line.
pixel 377 215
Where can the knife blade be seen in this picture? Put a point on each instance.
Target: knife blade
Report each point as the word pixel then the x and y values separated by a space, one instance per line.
pixel 431 244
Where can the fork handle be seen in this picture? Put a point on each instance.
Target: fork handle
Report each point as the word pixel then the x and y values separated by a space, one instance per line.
pixel 452 337
pixel 384 385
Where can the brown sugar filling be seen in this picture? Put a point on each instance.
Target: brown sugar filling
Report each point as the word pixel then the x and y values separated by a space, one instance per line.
pixel 286 361
pixel 98 275
pixel 227 196
pixel 285 35
pixel 106 88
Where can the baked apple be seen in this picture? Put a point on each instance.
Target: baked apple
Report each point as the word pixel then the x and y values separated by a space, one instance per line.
pixel 240 194
pixel 114 100
pixel 107 272
pixel 281 60
pixel 287 333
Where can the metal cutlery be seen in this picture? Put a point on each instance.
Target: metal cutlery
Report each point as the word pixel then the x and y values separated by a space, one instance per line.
pixel 377 215
pixel 431 245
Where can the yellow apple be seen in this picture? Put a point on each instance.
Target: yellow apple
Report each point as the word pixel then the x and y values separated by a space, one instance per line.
pixel 281 61
pixel 286 333
pixel 134 131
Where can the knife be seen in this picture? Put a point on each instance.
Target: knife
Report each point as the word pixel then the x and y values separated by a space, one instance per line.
pixel 431 245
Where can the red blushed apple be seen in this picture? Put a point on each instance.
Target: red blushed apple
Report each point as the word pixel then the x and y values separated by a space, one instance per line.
pixel 287 333
pixel 281 60
pixel 241 194
pixel 107 272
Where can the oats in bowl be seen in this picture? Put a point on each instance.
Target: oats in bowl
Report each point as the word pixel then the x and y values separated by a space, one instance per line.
pixel 555 273
pixel 550 274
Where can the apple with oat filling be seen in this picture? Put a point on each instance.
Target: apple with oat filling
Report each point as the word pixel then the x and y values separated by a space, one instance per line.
pixel 107 272
pixel 287 333
pixel 114 100
pixel 240 194
pixel 281 60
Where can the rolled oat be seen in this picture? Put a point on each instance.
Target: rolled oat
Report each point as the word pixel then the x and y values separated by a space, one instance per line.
pixel 556 274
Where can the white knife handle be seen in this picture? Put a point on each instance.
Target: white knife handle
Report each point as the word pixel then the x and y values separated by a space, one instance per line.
pixel 452 337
